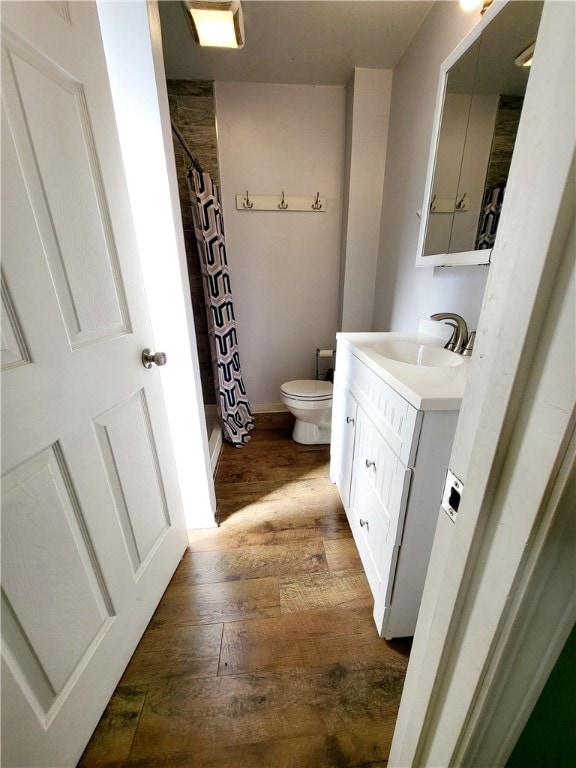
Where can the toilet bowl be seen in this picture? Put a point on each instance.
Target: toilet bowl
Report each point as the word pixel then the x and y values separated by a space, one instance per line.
pixel 310 401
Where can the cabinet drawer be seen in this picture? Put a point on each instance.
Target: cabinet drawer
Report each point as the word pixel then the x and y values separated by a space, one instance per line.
pixel 383 471
pixel 396 419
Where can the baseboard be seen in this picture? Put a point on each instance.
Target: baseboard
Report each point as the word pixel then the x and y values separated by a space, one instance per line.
pixel 268 408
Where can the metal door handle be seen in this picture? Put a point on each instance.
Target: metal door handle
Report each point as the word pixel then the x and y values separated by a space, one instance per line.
pixel 349 420
pixel 363 523
pixel 150 358
pixel 370 463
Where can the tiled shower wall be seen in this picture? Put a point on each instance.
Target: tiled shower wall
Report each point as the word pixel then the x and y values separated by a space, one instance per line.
pixel 505 131
pixel 192 111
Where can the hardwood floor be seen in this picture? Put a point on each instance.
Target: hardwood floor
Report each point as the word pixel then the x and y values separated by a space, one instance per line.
pixel 263 652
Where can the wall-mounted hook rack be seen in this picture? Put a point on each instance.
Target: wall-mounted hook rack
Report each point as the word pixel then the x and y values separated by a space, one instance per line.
pixel 449 204
pixel 283 202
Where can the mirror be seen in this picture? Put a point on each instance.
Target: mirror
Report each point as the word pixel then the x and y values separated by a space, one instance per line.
pixel 479 105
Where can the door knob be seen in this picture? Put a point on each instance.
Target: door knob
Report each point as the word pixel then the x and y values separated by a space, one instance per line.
pixel 150 358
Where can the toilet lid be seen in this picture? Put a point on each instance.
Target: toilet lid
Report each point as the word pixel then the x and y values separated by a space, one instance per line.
pixel 307 389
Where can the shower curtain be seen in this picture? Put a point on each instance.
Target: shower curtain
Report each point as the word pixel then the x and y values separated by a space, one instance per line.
pixel 237 419
pixel 490 216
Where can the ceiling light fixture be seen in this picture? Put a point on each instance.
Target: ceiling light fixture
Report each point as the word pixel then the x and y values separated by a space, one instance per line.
pixel 524 59
pixel 216 22
pixel 471 5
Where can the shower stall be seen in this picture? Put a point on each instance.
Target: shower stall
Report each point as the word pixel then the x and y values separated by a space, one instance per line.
pixel 192 112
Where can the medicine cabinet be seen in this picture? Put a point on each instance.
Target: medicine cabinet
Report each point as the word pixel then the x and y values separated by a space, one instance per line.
pixel 480 95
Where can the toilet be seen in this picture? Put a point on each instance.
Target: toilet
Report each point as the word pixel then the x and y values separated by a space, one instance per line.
pixel 310 401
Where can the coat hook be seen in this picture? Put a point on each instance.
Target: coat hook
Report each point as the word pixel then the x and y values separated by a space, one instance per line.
pixel 246 203
pixel 283 205
pixel 317 205
pixel 460 204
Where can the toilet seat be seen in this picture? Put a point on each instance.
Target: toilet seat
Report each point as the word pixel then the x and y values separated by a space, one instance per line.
pixel 309 390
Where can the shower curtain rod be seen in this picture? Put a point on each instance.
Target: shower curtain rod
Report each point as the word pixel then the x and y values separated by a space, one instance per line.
pixel 185 147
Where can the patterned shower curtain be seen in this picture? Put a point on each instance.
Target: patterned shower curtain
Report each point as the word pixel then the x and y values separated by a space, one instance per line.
pixel 237 418
pixel 490 216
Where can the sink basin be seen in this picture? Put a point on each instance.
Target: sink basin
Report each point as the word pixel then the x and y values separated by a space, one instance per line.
pixel 413 353
pixel 415 365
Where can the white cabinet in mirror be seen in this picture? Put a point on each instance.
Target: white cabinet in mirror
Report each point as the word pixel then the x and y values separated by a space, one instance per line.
pixel 478 109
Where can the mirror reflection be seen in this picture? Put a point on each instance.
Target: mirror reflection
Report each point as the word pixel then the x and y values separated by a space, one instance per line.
pixel 480 115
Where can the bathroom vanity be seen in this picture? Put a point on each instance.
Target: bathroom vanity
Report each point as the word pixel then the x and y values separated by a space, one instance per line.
pixel 395 407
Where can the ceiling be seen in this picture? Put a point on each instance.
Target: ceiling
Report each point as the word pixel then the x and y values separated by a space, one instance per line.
pixel 301 42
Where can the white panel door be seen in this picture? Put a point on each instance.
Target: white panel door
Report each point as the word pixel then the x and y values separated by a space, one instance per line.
pixel 92 524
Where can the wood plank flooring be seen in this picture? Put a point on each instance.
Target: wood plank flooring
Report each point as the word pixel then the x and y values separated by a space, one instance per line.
pixel 263 652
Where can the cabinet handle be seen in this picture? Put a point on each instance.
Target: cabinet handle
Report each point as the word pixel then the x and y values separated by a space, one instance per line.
pixel 363 523
pixel 349 420
pixel 370 463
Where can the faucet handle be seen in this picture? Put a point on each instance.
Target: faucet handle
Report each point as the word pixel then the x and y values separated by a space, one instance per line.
pixel 469 344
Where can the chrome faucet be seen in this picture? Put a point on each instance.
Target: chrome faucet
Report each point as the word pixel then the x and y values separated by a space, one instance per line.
pixel 459 337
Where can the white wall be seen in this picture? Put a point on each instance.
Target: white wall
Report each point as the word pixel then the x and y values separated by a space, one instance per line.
pixel 476 159
pixel 466 132
pixel 284 266
pixel 404 293
pixel 138 86
pixel 367 111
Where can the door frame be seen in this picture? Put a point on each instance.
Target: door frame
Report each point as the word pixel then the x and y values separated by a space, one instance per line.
pixel 133 46
pixel 492 621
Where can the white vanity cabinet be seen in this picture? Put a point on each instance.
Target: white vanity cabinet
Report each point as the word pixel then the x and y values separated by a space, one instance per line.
pixel 388 459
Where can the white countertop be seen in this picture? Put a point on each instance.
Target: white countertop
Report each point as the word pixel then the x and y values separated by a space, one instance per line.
pixel 428 388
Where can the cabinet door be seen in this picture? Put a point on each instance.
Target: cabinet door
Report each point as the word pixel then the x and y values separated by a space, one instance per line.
pixel 395 419
pixel 368 527
pixel 344 409
pixel 381 484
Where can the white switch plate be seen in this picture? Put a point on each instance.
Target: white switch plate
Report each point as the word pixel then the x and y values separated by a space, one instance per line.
pixel 452 495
